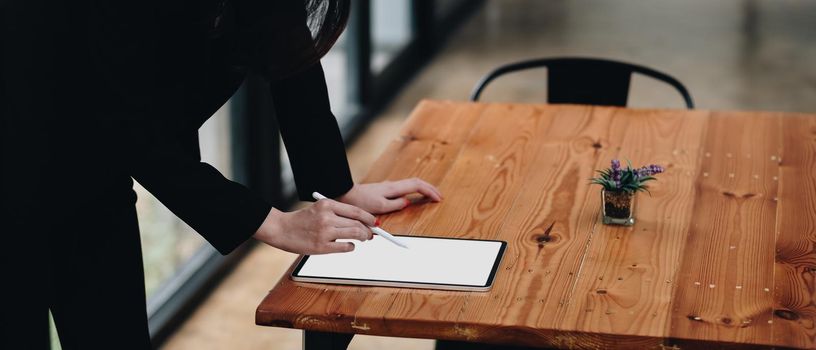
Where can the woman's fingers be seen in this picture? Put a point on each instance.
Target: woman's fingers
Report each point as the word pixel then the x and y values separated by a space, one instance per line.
pixel 395 204
pixel 407 186
pixel 351 229
pixel 338 247
pixel 352 212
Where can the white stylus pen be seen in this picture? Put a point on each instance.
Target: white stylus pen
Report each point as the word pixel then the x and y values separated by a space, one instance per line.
pixel 377 230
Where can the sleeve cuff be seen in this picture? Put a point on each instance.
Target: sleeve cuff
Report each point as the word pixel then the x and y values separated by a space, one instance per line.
pixel 329 189
pixel 237 231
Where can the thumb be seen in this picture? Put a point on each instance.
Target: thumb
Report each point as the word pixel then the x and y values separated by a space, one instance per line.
pixel 395 204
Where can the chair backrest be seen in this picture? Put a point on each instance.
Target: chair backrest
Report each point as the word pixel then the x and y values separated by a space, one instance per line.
pixel 585 80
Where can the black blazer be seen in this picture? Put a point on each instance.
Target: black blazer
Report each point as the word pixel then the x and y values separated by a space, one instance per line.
pixel 110 91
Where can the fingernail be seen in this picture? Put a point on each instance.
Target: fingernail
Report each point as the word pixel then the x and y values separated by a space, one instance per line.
pixel 377 222
pixel 407 202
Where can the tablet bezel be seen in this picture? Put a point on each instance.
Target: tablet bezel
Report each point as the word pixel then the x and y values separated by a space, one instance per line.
pixel 403 284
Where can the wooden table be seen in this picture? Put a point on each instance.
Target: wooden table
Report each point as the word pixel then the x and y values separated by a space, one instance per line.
pixel 722 253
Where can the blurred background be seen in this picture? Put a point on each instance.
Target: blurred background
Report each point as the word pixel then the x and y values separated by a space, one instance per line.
pixel 730 54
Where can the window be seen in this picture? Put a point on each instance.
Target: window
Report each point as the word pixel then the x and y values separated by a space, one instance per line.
pixel 335 66
pixel 390 31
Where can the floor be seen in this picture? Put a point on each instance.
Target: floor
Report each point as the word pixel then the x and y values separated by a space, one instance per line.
pixel 744 55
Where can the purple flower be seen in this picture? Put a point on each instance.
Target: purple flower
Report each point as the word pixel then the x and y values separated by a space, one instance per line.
pixel 643 172
pixel 612 178
pixel 616 171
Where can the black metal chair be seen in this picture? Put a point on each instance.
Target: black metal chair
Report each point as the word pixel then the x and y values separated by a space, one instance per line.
pixel 585 80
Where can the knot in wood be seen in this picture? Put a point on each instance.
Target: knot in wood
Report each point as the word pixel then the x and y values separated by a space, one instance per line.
pixel 543 238
pixel 786 314
pixel 738 196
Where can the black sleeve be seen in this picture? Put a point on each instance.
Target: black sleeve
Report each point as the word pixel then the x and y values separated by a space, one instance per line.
pixel 152 150
pixel 311 134
pixel 225 213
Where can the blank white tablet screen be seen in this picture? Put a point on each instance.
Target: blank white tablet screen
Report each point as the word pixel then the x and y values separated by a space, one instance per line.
pixel 428 260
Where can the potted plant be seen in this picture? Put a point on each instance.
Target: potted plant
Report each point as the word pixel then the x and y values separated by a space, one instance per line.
pixel 619 189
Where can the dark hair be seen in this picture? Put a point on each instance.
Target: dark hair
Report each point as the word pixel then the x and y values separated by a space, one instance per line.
pixel 279 38
pixel 326 20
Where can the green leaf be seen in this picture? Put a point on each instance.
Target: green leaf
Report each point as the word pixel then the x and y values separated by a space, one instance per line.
pixel 627 177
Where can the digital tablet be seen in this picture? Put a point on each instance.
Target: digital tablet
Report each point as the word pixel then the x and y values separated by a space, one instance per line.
pixel 428 263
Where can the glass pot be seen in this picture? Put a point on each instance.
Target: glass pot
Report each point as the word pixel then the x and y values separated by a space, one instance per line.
pixel 618 207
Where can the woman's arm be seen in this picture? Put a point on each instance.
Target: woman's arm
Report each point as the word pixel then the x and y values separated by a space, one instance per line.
pixel 311 134
pixel 225 213
pixel 317 152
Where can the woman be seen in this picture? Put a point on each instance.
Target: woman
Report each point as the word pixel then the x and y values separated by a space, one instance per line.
pixel 96 92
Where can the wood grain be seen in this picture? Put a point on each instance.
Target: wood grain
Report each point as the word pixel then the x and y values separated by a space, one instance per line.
pixel 510 140
pixel 723 290
pixel 722 254
pixel 625 284
pixel 508 154
pixel 420 142
pixel 795 268
pixel 546 231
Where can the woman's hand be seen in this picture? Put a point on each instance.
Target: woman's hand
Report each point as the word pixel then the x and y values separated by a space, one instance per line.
pixel 388 196
pixel 313 230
